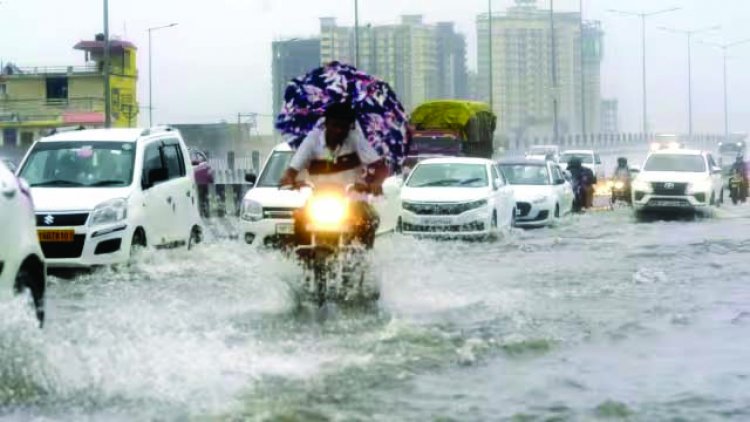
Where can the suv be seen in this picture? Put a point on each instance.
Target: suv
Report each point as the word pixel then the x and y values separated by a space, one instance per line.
pixel 22 267
pixel 101 193
pixel 589 159
pixel 267 215
pixel 677 180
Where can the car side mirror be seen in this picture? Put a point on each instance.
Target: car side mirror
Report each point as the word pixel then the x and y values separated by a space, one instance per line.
pixel 251 178
pixel 156 176
pixel 560 181
pixel 195 162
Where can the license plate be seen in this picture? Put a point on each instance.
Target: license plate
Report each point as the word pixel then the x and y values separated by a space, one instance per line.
pixel 668 203
pixel 55 236
pixel 436 222
pixel 285 228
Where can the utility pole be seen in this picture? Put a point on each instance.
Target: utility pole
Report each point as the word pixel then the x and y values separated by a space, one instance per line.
pixel 107 70
pixel 555 129
pixel 643 16
pixel 150 73
pixel 689 34
pixel 489 43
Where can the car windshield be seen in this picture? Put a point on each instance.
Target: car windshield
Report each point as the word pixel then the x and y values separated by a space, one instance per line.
pixel 275 168
pixel 525 174
pixel 80 164
pixel 584 157
pixel 676 162
pixel 449 175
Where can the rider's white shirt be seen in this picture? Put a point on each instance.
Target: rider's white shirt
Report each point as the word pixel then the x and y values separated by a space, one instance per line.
pixel 313 147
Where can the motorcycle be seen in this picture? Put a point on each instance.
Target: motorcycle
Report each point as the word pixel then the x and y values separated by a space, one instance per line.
pixel 334 261
pixel 737 188
pixel 620 191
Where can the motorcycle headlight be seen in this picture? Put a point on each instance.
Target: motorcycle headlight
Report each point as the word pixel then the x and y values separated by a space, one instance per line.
pixel 700 187
pixel 619 185
pixel 109 212
pixel 327 212
pixel 251 210
pixel 641 186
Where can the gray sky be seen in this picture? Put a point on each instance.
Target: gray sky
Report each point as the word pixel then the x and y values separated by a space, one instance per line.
pixel 217 62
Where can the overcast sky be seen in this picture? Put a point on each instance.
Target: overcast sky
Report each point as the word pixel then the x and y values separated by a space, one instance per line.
pixel 217 62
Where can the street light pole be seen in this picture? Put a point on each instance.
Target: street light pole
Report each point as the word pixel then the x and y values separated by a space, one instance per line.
pixel 689 34
pixel 583 71
pixel 356 33
pixel 725 48
pixel 150 73
pixel 489 42
pixel 555 126
pixel 107 70
pixel 643 16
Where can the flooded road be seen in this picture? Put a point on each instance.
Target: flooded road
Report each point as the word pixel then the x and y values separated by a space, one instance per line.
pixel 601 317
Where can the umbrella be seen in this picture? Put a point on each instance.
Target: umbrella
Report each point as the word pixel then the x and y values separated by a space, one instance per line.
pixel 379 113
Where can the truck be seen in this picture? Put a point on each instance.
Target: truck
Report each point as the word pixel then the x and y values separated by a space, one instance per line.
pixel 451 128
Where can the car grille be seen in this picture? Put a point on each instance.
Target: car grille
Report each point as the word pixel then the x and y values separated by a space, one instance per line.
pixel 543 215
pixel 524 208
pixel 417 228
pixel 60 220
pixel 278 213
pixel 669 203
pixel 669 189
pixel 72 249
pixel 438 208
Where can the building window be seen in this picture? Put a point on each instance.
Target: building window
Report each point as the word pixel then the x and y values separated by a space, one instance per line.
pixel 57 89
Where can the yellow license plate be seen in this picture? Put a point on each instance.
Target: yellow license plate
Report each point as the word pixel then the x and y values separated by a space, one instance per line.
pixel 56 236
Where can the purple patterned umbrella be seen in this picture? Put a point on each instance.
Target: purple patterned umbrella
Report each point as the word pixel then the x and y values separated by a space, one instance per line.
pixel 379 113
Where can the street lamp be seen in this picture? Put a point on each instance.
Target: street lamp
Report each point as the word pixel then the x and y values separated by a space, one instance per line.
pixel 724 48
pixel 356 33
pixel 553 61
pixel 489 43
pixel 643 16
pixel 107 70
pixel 150 84
pixel 689 34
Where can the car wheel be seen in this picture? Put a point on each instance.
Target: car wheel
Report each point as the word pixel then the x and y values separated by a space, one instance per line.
pixel 513 218
pixel 557 211
pixel 30 282
pixel 137 244
pixel 196 237
pixel 399 226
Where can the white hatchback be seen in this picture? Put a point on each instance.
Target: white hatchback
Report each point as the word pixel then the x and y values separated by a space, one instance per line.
pixel 101 193
pixel 22 266
pixel 541 192
pixel 677 179
pixel 456 197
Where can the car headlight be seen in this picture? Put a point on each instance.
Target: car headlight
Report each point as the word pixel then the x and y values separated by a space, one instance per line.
pixel 540 199
pixel 251 210
pixel 619 185
pixel 700 187
pixel 109 212
pixel 640 185
pixel 474 205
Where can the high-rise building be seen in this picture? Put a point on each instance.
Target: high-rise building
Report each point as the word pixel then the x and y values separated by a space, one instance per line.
pixel 292 58
pixel 420 61
pixel 522 72
pixel 610 116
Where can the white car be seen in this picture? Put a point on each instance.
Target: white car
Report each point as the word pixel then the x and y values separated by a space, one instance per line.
pixel 101 193
pixel 677 180
pixel 541 192
pixel 456 197
pixel 22 268
pixel 589 159
pixel 543 152
pixel 266 217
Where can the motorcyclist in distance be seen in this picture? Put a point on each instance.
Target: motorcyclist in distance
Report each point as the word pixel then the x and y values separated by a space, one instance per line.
pixel 739 168
pixel 583 184
pixel 338 155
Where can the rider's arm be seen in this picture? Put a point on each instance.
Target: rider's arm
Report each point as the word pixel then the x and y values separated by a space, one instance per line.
pixel 300 161
pixel 375 166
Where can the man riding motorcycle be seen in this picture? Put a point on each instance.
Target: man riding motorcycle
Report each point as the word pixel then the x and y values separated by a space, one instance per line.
pixel 621 181
pixel 583 184
pixel 338 155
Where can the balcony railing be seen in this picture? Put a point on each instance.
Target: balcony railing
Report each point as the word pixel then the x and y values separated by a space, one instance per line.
pixel 16 110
